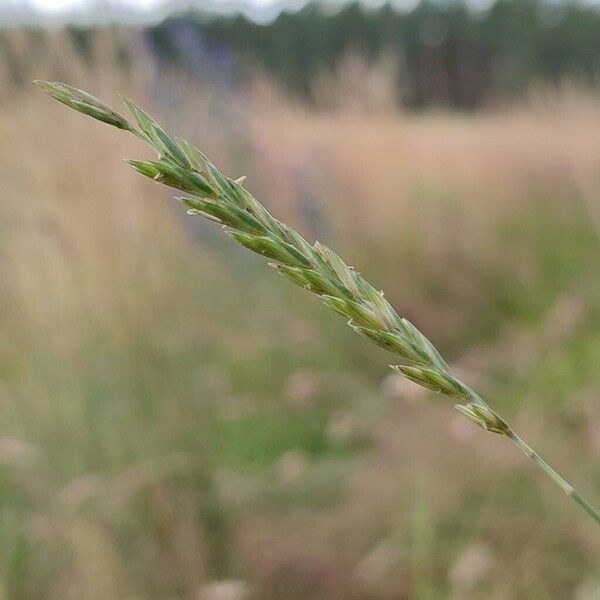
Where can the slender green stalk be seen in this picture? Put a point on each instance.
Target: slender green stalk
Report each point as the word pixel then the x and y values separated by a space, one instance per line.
pixel 565 486
pixel 313 267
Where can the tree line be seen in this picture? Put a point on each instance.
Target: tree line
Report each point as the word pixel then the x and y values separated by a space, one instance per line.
pixel 445 54
pixel 448 54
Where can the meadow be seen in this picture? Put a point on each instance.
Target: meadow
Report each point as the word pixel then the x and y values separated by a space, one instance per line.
pixel 176 421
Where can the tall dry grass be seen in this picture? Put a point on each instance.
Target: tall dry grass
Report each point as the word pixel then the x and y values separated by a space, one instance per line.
pixel 155 437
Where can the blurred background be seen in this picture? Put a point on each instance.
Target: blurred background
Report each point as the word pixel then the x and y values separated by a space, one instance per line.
pixel 176 421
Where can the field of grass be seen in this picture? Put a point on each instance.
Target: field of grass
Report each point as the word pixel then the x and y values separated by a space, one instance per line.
pixel 176 421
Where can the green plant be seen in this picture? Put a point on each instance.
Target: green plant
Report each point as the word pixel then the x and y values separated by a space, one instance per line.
pixel 313 267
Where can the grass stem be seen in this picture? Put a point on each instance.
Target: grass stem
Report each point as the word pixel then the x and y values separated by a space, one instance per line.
pixel 564 485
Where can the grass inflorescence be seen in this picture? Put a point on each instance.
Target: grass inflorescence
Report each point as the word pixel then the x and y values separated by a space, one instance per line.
pixel 314 267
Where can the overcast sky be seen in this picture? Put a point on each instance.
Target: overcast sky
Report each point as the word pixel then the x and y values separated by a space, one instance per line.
pixel 86 11
pixel 92 10
pixel 60 5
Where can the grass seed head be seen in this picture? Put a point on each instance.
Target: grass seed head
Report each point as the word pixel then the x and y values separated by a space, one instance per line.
pixel 314 267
